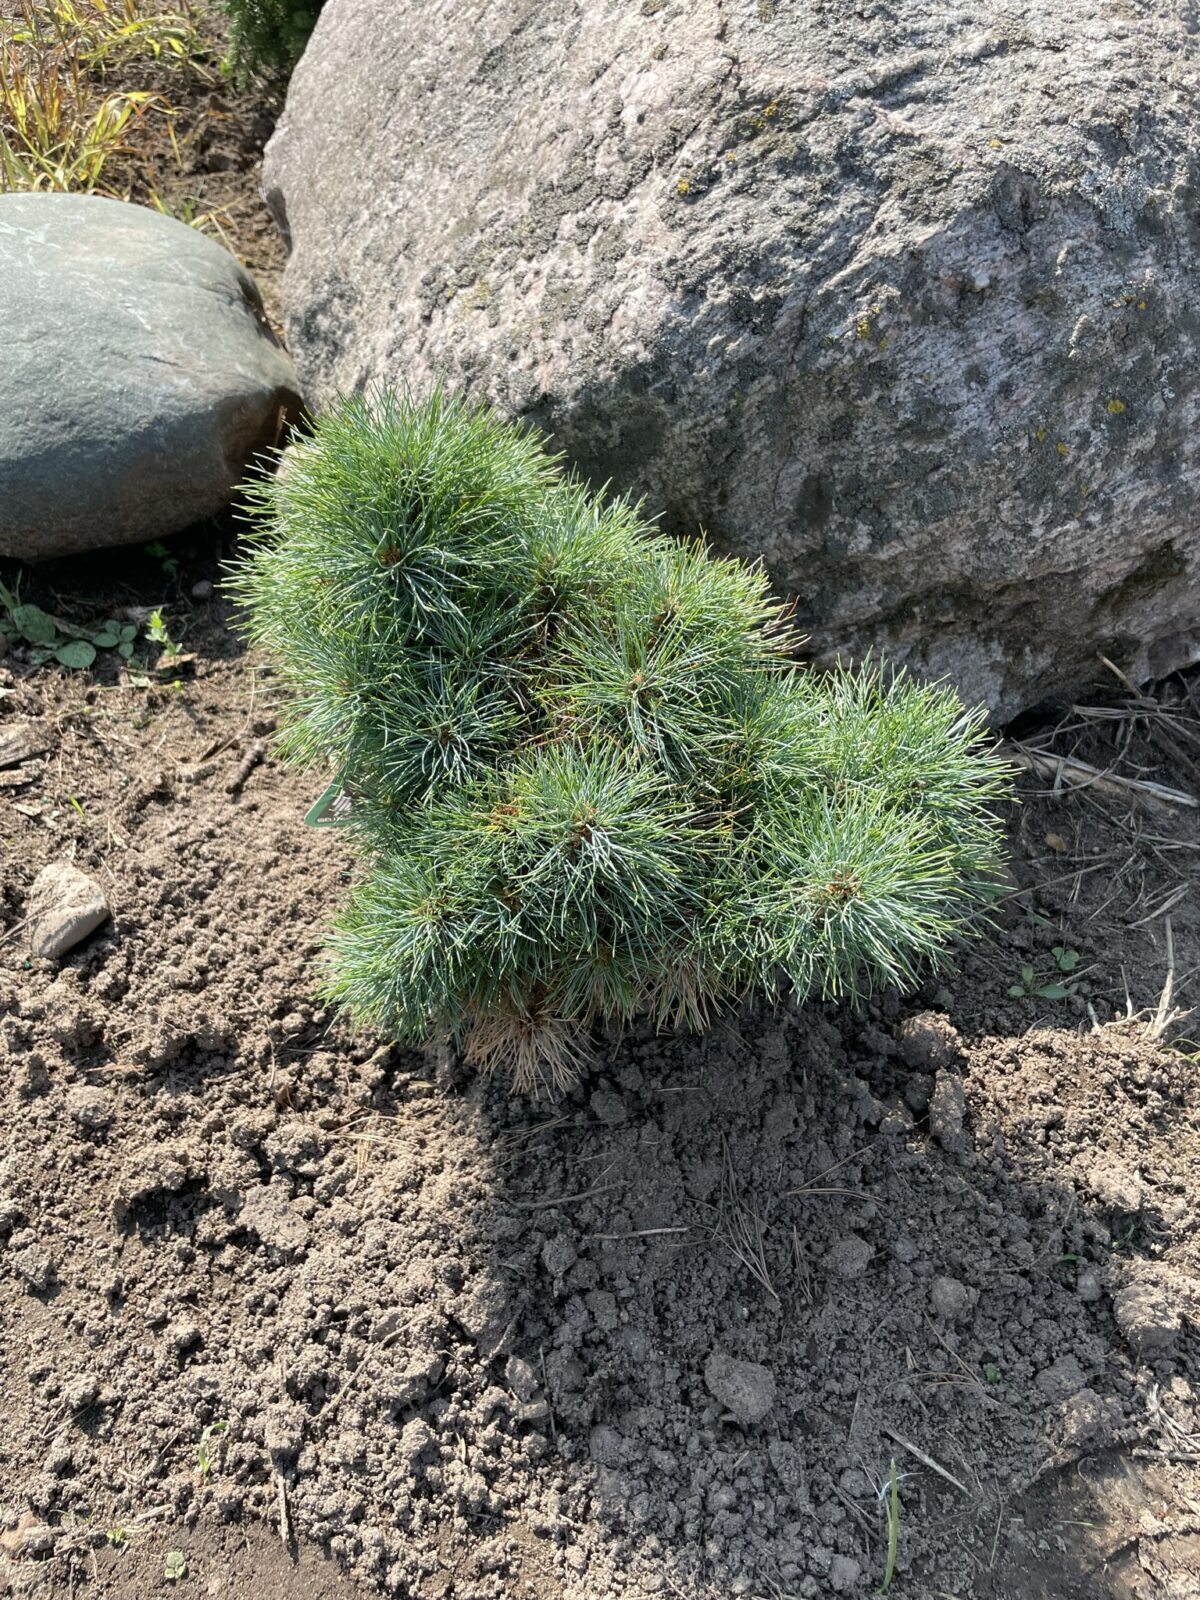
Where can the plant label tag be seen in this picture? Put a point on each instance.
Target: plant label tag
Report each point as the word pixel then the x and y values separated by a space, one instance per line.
pixel 332 809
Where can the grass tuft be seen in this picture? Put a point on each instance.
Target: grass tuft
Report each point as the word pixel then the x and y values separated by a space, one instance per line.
pixel 60 128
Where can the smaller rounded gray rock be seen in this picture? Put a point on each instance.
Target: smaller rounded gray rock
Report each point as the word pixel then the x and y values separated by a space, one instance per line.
pixel 138 375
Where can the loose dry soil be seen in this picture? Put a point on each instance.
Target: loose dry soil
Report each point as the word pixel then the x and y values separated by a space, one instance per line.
pixel 329 1319
pixel 463 1345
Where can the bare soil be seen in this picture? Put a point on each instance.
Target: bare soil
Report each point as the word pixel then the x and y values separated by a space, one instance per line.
pixel 317 1317
pixel 458 1344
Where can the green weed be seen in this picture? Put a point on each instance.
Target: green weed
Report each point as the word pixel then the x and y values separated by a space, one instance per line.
pixel 188 211
pixel 164 557
pixel 157 632
pixel 1029 985
pixel 204 1454
pixel 51 639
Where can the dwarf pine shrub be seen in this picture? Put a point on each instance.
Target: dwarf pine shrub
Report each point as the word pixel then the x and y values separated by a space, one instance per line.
pixel 586 777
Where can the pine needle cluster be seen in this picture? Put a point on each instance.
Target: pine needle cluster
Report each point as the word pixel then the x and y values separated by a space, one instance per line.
pixel 587 777
pixel 269 36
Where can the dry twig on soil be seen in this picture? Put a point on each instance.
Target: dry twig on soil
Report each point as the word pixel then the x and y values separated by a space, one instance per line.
pixel 925 1460
pixel 1068 772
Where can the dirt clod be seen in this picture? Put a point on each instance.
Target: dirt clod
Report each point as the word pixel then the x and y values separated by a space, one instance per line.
pixel 80 1392
pixel 91 1108
pixel 928 1041
pixel 283 1432
pixel 153 1170
pixel 950 1298
pixel 746 1388
pixel 947 1109
pixel 1116 1186
pixel 30 1537
pixel 33 1265
pixel 850 1257
pixel 1091 1421
pixel 65 905
pixel 1062 1378
pixel 520 1377
pixel 1148 1316
pixel 845 1575
pixel 1089 1285
pixel 273 1218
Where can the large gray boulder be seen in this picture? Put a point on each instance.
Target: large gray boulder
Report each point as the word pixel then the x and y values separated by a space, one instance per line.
pixel 138 375
pixel 901 298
